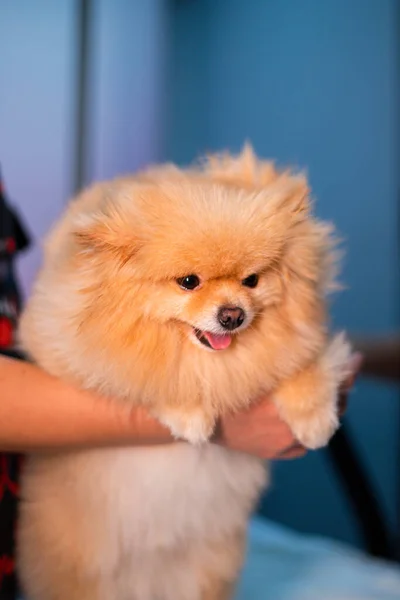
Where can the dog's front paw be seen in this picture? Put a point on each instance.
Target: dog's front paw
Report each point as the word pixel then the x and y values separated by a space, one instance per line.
pixel 314 430
pixel 194 426
pixel 308 402
pixel 309 405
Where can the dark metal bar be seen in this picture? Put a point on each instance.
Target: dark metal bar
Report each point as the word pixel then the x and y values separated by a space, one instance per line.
pixel 363 498
pixel 82 68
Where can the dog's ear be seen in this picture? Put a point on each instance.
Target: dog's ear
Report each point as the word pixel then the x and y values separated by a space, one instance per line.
pixel 287 201
pixel 243 170
pixel 292 196
pixel 282 190
pixel 106 231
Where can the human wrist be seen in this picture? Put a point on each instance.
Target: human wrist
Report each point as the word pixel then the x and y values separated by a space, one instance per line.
pixel 144 429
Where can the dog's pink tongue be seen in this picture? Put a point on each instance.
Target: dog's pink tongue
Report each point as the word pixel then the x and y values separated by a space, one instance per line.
pixel 218 342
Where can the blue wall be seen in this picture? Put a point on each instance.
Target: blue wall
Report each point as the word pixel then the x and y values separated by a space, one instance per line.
pixel 37 103
pixel 127 79
pixel 38 75
pixel 312 83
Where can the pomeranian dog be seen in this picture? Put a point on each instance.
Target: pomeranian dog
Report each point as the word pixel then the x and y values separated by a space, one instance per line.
pixel 191 293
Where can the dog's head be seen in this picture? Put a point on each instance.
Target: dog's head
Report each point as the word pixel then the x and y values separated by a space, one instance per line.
pixel 202 256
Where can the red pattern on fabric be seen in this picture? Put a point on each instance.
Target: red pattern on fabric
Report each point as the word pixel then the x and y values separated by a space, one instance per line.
pixel 6 483
pixel 7 567
pixel 6 332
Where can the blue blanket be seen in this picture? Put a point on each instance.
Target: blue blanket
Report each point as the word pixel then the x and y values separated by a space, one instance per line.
pixel 283 565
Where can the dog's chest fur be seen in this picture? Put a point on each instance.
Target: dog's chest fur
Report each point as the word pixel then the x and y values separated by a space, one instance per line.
pixel 147 499
pixel 142 522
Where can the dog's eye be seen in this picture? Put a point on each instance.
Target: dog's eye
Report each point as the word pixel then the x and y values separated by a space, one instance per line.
pixel 190 282
pixel 251 281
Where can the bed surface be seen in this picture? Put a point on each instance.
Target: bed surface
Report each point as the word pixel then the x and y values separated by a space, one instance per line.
pixel 283 565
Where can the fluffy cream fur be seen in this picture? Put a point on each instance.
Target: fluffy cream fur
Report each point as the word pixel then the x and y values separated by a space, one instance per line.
pixel 107 313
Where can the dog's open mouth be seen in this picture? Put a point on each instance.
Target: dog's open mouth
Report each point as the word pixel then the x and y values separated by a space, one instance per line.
pixel 214 341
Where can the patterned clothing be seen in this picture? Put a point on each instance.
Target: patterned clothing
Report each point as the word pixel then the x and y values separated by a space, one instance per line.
pixel 13 239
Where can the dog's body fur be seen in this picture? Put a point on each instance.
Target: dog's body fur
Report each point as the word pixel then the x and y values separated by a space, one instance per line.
pixel 168 523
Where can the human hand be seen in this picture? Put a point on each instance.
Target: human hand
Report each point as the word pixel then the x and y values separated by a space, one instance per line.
pixel 260 431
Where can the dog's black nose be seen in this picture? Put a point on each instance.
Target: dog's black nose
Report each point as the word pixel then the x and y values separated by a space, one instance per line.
pixel 231 317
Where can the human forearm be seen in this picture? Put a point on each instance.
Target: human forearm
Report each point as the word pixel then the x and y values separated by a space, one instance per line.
pixel 39 412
